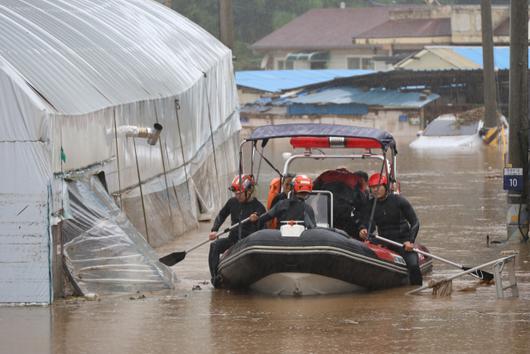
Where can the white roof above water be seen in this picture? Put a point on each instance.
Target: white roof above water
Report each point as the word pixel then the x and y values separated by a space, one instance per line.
pixel 84 50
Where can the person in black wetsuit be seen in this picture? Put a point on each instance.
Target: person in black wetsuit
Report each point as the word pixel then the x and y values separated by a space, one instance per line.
pixel 239 207
pixel 294 208
pixel 396 220
pixel 360 200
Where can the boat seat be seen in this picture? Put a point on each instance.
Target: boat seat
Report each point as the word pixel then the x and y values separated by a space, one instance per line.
pixel 322 204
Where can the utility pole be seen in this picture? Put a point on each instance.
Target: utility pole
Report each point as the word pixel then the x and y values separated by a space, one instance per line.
pixel 226 23
pixel 490 94
pixel 518 119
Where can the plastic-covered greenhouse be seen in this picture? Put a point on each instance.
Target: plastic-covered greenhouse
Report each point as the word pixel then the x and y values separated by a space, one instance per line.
pixel 81 83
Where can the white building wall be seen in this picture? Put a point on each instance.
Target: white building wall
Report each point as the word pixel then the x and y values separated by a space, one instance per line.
pixel 383 119
pixel 338 59
pixel 25 195
pixel 429 61
pixel 24 226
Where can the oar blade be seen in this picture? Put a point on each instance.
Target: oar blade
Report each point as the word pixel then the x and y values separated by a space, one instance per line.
pixel 172 258
pixel 481 274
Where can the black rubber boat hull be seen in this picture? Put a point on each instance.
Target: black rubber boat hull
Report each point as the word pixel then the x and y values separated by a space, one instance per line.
pixel 320 252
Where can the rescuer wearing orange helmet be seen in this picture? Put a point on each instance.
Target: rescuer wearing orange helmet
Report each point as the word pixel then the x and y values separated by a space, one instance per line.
pixel 396 220
pixel 294 208
pixel 241 206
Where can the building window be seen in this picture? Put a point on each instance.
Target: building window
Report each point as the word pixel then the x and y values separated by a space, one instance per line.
pixel 360 63
pixel 318 65
pixel 354 63
pixel 285 65
pixel 367 64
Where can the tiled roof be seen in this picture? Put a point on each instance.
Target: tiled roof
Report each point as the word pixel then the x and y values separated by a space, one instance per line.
pixel 324 29
pixel 436 27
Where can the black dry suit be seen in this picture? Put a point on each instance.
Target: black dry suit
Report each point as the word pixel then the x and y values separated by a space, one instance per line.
pixel 239 211
pixel 396 220
pixel 291 209
pixel 394 217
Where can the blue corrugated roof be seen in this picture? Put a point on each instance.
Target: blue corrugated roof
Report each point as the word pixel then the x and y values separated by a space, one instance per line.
pixel 350 109
pixel 373 97
pixel 501 55
pixel 279 80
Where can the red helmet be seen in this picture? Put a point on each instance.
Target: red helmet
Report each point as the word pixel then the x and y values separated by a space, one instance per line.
pixel 302 183
pixel 377 179
pixel 246 183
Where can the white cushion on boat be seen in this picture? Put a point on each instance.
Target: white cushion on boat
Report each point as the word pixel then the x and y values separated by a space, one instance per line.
pixel 292 230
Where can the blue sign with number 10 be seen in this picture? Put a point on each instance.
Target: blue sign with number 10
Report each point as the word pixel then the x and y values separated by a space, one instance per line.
pixel 513 179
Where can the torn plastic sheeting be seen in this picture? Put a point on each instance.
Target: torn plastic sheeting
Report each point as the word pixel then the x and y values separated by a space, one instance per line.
pixel 103 251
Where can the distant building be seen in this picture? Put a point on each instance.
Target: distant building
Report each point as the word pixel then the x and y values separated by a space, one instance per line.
pixel 454 57
pixel 373 37
pixel 390 109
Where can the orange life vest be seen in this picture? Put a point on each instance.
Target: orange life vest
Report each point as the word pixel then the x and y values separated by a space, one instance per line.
pixel 274 189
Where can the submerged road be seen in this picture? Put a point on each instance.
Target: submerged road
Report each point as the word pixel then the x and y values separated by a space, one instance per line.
pixel 459 200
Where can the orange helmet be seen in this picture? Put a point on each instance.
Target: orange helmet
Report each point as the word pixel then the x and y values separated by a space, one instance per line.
pixel 377 179
pixel 302 183
pixel 245 184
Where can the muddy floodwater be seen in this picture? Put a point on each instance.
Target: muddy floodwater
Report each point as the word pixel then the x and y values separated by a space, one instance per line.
pixel 459 200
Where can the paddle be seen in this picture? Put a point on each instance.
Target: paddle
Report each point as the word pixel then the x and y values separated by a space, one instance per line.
pixel 476 273
pixel 175 257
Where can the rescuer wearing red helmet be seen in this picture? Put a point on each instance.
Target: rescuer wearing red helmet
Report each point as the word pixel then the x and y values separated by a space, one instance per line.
pixel 241 206
pixel 294 208
pixel 396 220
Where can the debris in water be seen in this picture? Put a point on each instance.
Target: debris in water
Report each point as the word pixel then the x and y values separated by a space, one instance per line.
pixel 468 289
pixel 196 287
pixel 442 287
pixel 91 297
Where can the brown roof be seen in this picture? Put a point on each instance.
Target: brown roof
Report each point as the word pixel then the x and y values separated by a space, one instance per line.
pixel 324 29
pixel 503 29
pixel 410 28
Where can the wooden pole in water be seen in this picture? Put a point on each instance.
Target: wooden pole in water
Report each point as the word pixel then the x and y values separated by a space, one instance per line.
pixel 490 94
pixel 226 23
pixel 518 101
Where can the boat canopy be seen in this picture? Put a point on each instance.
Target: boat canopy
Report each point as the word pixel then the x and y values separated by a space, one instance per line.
pixel 364 137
